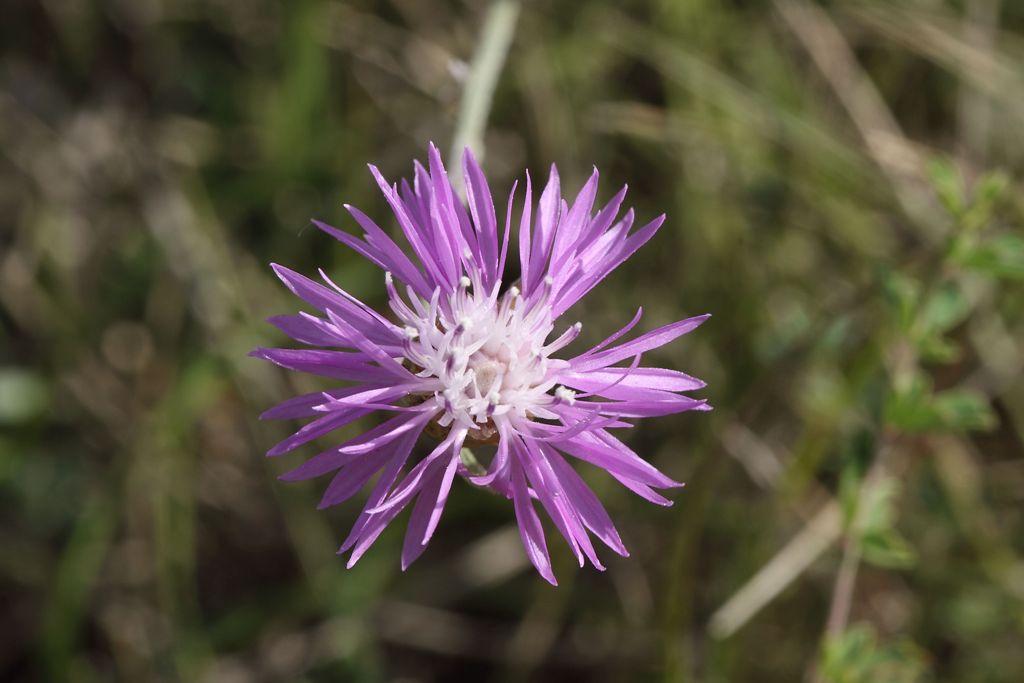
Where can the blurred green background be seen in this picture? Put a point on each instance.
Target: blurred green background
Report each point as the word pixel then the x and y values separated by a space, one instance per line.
pixel 843 189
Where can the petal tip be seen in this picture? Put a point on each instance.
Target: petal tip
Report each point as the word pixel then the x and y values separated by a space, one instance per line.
pixel 550 578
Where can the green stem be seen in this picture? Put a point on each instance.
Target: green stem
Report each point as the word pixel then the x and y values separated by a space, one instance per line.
pixel 495 39
pixel 471 463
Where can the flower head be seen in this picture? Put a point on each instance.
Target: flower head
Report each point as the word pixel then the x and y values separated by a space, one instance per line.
pixel 471 359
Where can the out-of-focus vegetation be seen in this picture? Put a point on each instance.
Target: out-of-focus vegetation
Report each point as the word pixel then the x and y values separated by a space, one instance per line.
pixel 843 184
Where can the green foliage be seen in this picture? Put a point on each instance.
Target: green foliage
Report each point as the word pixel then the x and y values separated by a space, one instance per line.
pixel 881 543
pixel 869 512
pixel 902 294
pixel 925 313
pixel 988 192
pixel 917 409
pixel 971 208
pixel 948 185
pixel 944 309
pixel 155 156
pixel 1001 256
pixel 856 656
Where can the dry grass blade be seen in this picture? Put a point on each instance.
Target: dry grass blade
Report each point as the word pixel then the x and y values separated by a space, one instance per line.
pixel 882 135
pixel 807 546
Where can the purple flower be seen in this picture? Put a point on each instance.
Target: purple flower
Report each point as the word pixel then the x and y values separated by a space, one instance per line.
pixel 470 359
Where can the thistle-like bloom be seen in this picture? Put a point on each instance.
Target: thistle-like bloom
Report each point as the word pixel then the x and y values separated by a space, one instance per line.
pixel 471 359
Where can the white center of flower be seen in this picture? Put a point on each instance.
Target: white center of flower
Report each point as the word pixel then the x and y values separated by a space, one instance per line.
pixel 487 352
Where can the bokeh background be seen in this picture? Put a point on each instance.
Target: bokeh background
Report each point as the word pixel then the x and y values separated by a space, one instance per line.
pixel 842 182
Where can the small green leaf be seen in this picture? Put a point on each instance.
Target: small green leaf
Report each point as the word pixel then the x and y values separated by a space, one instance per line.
pixel 948 184
pixel 917 409
pixel 856 656
pixel 901 293
pixel 887 549
pixel 938 349
pixel 909 409
pixel 986 195
pixel 964 410
pixel 1002 256
pixel 990 188
pixel 878 511
pixel 945 308
pixel 873 510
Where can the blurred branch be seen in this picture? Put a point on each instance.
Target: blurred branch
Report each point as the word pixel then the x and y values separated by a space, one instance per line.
pixel 436 630
pixel 806 547
pixel 823 529
pixel 495 38
pixel 78 572
pixel 888 146
pixel 997 349
pixel 535 637
pixel 941 40
pixel 451 634
pixel 842 591
pixel 485 563
pixel 760 461
pixel 491 559
pixel 981 23
pixel 711 83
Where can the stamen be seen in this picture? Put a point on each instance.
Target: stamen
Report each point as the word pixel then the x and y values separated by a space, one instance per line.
pixel 397 304
pixel 487 350
pixel 567 338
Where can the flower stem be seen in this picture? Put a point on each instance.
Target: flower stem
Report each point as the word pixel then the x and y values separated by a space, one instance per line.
pixel 495 39
pixel 471 463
